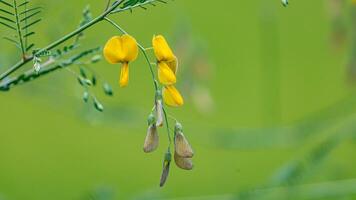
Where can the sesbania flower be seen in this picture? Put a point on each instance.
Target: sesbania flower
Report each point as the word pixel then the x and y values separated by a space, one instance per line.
pixel 171 96
pixel 121 49
pixel 167 64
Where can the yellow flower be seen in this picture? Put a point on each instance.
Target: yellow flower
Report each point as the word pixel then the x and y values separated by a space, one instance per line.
pixel 172 97
pixel 161 48
pixel 165 74
pixel 167 61
pixel 121 49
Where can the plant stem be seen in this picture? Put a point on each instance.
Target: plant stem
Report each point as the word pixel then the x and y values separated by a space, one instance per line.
pixel 19 30
pixel 143 50
pixel 61 40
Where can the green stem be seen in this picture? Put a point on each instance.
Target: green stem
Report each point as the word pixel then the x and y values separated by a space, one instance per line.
pixel 143 50
pixel 19 30
pixel 136 5
pixel 61 40
pixel 167 125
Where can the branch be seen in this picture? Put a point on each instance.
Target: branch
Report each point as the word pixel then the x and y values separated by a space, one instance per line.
pixel 31 75
pixel 61 40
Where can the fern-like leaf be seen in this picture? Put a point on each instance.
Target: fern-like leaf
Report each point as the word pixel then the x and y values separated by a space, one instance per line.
pixel 16 16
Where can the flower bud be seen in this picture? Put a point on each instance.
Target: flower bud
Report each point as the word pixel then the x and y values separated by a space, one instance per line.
pixel 165 171
pixel 151 141
pixel 183 163
pixel 182 146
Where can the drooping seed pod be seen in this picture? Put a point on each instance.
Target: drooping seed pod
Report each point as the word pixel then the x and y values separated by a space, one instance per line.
pixel 152 139
pixel 159 112
pixel 181 144
pixel 165 170
pixel 183 163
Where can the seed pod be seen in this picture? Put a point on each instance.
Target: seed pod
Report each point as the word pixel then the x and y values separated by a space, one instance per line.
pixel 181 144
pixel 183 163
pixel 165 171
pixel 151 141
pixel 159 112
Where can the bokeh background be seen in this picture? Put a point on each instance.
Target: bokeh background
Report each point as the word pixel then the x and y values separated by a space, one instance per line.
pixel 270 106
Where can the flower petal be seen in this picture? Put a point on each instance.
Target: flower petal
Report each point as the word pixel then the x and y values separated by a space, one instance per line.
pixel 124 75
pixel 113 50
pixel 129 46
pixel 172 97
pixel 161 48
pixel 173 64
pixel 165 74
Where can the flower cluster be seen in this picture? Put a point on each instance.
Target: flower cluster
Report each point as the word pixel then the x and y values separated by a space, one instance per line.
pixel 124 49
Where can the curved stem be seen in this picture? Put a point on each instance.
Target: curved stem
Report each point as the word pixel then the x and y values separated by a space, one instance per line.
pixel 143 50
pixel 61 40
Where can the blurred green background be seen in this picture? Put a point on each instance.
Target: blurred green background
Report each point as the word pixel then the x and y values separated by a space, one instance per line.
pixel 269 107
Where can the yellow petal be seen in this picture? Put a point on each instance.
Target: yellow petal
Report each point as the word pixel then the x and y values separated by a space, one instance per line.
pixel 165 75
pixel 113 51
pixel 173 64
pixel 121 49
pixel 124 75
pixel 161 48
pixel 130 47
pixel 172 97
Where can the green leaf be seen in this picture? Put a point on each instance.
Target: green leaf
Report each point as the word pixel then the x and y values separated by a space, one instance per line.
pixel 23 4
pixel 93 80
pixel 82 72
pixel 30 10
pixel 29 47
pixel 29 34
pixel 13 41
pixel 6 12
pixel 86 96
pixel 7 25
pixel 31 24
pixel 7 4
pixel 30 16
pixel 98 106
pixel 107 89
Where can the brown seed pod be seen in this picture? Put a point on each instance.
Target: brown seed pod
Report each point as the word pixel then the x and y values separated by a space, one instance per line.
pixel 182 146
pixel 152 140
pixel 183 163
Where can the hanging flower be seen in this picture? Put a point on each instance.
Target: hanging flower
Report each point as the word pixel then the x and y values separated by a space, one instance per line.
pixel 121 49
pixel 166 60
pixel 167 64
pixel 172 97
